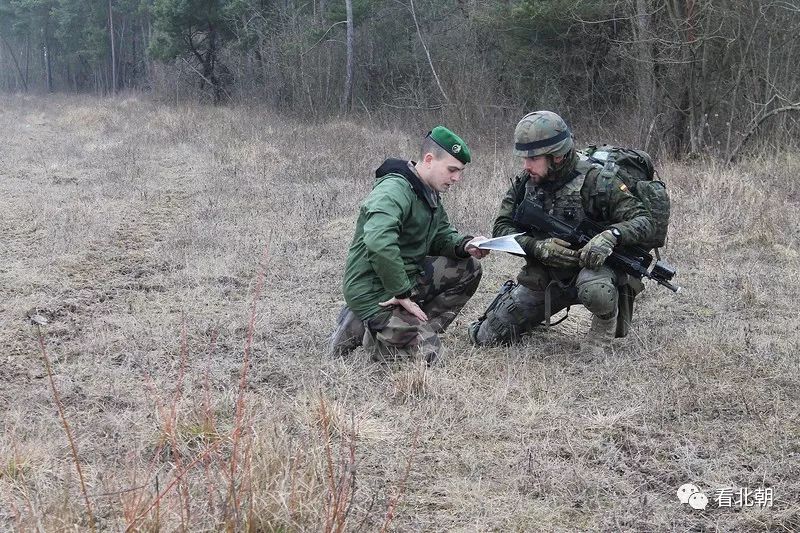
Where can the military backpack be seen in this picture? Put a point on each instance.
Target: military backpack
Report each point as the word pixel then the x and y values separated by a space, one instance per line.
pixel 635 169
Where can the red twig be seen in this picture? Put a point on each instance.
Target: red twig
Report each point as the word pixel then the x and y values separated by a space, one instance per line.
pixel 183 490
pixel 347 486
pixel 208 414
pixel 172 483
pixel 239 416
pixel 325 419
pixel 248 460
pixel 340 490
pixel 67 429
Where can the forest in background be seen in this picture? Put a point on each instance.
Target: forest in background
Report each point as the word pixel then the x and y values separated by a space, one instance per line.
pixel 676 77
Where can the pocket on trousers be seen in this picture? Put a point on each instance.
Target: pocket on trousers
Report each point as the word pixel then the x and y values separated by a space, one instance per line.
pixel 378 321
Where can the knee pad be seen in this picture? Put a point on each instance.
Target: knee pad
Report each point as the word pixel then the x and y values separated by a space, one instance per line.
pixel 598 296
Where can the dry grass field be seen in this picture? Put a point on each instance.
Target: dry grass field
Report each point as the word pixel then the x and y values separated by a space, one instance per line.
pixel 187 263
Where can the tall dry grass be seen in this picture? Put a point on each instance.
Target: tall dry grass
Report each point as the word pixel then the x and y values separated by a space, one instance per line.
pixel 199 397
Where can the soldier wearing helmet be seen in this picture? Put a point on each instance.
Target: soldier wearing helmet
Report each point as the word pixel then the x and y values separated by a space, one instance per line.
pixel 555 275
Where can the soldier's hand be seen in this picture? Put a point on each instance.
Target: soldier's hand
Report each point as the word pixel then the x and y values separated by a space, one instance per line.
pixel 555 253
pixel 597 250
pixel 409 305
pixel 473 250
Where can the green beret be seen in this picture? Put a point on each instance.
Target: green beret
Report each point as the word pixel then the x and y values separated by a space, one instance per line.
pixel 451 143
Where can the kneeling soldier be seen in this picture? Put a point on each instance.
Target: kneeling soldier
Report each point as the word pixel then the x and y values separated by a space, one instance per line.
pixel 408 272
pixel 556 276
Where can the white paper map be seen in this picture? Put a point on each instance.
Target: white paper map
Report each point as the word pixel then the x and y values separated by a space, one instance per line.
pixel 506 243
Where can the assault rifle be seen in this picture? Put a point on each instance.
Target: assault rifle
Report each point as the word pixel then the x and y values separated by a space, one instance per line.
pixel 632 260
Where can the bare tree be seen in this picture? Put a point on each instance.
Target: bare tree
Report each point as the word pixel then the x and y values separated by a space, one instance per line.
pixel 645 80
pixel 755 123
pixel 348 80
pixel 113 50
pixel 22 78
pixel 427 53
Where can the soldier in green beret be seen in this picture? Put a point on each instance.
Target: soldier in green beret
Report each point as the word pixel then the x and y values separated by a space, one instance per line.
pixel 408 272
pixel 555 275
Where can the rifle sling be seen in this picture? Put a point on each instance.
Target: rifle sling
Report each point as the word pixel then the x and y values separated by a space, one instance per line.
pixel 548 300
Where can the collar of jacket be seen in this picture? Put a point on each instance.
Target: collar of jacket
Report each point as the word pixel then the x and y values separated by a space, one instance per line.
pixel 405 169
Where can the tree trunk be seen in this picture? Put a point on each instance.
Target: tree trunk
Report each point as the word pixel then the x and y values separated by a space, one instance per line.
pixel 6 80
pixel 209 64
pixel 427 53
pixel 703 96
pixel 133 72
pixel 695 108
pixel 348 81
pixel 734 110
pixel 16 64
pixel 645 82
pixel 47 69
pixel 113 49
pixel 27 56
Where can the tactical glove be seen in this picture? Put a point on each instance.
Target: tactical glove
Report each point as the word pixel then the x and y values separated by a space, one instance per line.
pixel 597 250
pixel 555 253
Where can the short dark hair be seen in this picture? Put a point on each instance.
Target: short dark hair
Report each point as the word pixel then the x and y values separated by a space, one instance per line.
pixel 431 146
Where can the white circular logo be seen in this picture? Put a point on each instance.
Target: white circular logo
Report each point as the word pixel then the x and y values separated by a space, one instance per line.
pixel 689 493
pixel 456 148
pixel 698 501
pixel 685 491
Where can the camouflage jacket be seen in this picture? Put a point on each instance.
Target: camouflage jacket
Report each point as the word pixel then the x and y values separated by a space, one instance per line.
pixel 399 223
pixel 576 191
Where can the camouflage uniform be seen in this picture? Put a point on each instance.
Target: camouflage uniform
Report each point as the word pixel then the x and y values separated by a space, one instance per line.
pixel 575 189
pixel 442 289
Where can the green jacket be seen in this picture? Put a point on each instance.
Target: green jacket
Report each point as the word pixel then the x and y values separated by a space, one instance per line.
pixel 399 223
pixel 577 191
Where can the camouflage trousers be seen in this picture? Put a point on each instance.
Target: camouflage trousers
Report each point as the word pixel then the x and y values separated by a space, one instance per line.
pixel 519 309
pixel 443 288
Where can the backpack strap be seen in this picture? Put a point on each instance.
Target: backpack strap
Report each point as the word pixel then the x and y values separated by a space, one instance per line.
pixel 609 171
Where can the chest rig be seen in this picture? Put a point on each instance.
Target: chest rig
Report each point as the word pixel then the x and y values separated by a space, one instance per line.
pixel 563 202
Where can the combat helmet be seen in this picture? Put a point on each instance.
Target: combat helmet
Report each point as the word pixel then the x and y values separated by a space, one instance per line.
pixel 542 133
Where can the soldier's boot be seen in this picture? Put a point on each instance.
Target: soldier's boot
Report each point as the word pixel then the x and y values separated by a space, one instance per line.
pixel 598 341
pixel 348 334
